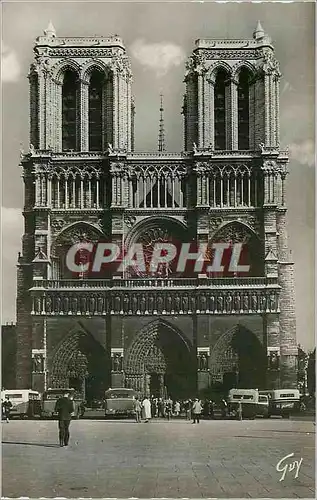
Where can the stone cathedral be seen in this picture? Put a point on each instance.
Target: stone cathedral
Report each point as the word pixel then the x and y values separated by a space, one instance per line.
pixel 84 181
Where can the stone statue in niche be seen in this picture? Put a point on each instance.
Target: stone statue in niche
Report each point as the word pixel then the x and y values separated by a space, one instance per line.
pixel 203 303
pixel 203 361
pixel 176 303
pixel 211 303
pixel 273 302
pixel 100 305
pixel 38 363
pixel 159 303
pixel 151 303
pixel 134 304
pixel 143 304
pixel 185 303
pixel 229 303
pixel 48 305
pixel 246 302
pixel 274 360
pixel 193 304
pixel 126 303
pixel 220 303
pixel 117 362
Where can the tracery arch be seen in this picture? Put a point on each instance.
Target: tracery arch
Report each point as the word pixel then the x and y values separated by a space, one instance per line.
pixel 75 233
pixel 239 356
pixel 156 230
pixel 79 361
pixel 159 349
pixel 252 253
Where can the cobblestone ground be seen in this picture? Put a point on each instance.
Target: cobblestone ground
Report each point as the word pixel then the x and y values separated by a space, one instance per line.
pixel 221 459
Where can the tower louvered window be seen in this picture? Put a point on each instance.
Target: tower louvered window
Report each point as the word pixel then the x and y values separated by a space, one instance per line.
pixel 220 110
pixel 243 109
pixel 95 111
pixel 70 113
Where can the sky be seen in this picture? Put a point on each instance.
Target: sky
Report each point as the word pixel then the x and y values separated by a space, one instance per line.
pixel 158 38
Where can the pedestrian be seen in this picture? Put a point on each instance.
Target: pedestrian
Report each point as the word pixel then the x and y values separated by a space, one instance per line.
pixel 147 409
pixel 169 407
pixel 177 408
pixel 138 410
pixel 6 408
pixel 239 410
pixel 224 408
pixel 65 408
pixel 196 409
pixel 188 405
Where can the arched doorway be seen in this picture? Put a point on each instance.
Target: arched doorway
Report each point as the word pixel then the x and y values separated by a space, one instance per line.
pixel 79 361
pixel 238 360
pixel 160 362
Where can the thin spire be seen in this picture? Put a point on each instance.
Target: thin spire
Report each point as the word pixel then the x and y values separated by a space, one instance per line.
pixel 259 31
pixel 161 138
pixel 50 30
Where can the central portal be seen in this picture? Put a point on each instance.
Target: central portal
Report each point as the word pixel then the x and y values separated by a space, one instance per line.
pixel 160 362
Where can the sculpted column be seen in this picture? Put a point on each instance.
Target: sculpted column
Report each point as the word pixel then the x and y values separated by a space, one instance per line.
pixel 84 122
pixel 234 113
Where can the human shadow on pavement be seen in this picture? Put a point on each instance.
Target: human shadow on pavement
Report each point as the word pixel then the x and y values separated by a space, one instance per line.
pixel 32 444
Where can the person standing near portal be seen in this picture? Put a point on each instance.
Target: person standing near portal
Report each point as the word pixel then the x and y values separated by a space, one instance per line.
pixel 147 409
pixel 6 408
pixel 64 407
pixel 138 410
pixel 196 410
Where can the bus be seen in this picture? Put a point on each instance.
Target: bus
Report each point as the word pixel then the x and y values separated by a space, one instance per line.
pixel 283 402
pixel 25 402
pixel 51 396
pixel 120 402
pixel 253 402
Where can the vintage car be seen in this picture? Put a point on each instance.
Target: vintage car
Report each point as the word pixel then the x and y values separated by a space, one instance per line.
pixel 283 402
pixel 120 402
pixel 25 402
pixel 51 396
pixel 253 403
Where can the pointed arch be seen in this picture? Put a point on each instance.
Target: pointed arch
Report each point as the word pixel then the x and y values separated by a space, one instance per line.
pixel 245 76
pixel 221 106
pixel 252 253
pixel 70 110
pixel 64 240
pixel 95 65
pixel 79 361
pixel 160 350
pixel 62 66
pixel 239 351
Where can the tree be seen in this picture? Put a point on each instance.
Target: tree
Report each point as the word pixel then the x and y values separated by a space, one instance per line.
pixel 302 359
pixel 311 373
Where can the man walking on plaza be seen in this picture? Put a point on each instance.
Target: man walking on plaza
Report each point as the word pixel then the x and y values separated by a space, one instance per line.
pixel 138 410
pixel 64 407
pixel 196 410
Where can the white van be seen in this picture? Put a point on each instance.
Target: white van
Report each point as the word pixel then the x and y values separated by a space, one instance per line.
pixel 283 402
pixel 25 402
pixel 253 403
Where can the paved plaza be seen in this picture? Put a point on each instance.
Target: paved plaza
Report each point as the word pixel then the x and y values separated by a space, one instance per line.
pixel 221 459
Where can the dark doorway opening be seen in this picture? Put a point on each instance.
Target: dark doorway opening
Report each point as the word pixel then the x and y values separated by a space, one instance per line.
pixel 155 385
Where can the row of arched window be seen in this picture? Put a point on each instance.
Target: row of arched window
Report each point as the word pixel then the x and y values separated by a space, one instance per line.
pixel 71 111
pixel 222 105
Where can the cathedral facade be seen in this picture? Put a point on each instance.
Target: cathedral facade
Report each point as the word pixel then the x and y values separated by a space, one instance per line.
pixel 84 182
